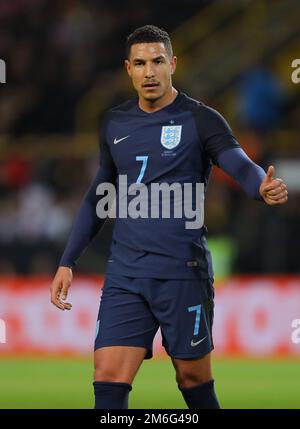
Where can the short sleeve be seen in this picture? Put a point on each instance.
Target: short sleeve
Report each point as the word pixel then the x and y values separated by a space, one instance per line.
pixel 215 133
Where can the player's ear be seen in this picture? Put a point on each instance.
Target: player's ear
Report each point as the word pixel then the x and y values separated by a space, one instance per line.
pixel 127 67
pixel 173 64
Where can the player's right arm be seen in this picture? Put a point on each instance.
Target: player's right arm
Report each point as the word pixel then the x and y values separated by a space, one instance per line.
pixel 85 227
pixel 60 286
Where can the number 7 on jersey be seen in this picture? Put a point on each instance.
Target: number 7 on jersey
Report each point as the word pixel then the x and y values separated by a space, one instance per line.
pixel 144 159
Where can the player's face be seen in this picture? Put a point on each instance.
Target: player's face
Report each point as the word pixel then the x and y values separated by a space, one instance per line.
pixel 150 68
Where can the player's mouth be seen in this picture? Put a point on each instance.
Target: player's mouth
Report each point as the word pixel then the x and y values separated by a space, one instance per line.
pixel 150 85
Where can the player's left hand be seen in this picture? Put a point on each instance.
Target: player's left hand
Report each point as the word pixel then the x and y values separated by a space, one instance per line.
pixel 273 191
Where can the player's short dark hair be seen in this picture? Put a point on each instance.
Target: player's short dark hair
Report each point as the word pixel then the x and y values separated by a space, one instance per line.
pixel 149 34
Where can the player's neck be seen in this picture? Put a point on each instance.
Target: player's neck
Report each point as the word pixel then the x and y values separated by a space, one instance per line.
pixel 152 106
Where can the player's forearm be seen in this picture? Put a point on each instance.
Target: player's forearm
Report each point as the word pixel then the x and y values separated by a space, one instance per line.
pixel 87 224
pixel 238 165
pixel 85 227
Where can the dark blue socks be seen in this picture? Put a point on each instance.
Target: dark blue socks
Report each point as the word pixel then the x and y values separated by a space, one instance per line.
pixel 201 396
pixel 111 395
pixel 114 395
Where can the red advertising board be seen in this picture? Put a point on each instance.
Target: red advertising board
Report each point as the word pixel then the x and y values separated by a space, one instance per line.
pixel 254 316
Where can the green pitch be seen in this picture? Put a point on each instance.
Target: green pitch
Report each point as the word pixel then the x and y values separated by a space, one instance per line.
pixel 66 383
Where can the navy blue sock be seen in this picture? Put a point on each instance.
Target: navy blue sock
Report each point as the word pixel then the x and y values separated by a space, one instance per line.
pixel 201 396
pixel 111 395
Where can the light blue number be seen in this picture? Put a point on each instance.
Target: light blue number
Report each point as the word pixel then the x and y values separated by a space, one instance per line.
pixel 97 328
pixel 144 159
pixel 196 308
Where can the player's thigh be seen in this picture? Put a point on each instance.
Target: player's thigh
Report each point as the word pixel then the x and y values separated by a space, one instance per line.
pixel 125 328
pixel 190 372
pixel 118 363
pixel 184 309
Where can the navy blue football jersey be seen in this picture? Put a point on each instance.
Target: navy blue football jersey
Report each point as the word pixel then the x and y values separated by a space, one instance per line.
pixel 178 143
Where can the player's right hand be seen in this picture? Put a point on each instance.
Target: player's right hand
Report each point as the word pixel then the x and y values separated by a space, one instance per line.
pixel 60 286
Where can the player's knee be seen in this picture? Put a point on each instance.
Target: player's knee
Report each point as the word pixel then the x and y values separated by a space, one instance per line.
pixel 106 373
pixel 188 377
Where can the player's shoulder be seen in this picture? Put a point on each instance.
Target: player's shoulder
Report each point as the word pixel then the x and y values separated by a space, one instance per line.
pixel 126 106
pixel 199 107
pixel 112 112
pixel 188 102
pixel 207 118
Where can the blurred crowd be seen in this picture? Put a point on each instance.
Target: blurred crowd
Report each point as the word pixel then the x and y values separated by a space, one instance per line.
pixel 63 66
pixel 57 51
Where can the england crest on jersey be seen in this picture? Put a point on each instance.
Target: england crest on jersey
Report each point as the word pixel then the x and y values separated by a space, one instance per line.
pixel 170 136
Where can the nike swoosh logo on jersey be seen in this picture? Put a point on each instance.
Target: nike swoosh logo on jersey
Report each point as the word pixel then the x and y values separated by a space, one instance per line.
pixel 193 344
pixel 119 140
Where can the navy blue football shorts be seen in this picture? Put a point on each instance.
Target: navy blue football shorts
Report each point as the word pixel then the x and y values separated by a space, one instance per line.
pixel 132 310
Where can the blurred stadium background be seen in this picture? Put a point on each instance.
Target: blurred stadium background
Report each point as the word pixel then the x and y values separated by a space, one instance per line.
pixel 64 69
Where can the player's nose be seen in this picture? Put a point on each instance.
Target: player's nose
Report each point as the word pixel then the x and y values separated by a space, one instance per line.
pixel 149 71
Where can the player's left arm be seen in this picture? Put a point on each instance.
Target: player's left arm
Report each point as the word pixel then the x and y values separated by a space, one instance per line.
pixel 273 191
pixel 252 178
pixel 222 148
